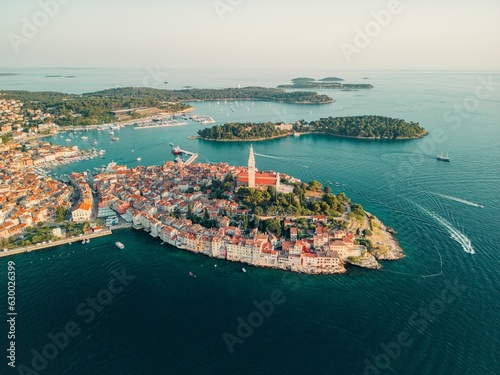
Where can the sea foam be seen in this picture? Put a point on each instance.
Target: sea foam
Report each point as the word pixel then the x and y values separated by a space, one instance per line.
pixel 455 234
pixel 459 200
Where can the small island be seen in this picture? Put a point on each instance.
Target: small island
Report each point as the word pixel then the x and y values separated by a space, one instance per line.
pixel 324 83
pixel 362 127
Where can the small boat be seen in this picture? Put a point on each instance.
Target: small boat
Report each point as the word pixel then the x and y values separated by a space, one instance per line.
pixel 68 140
pixel 176 150
pixel 139 159
pixel 163 243
pixel 171 144
pixel 83 241
pixel 85 138
pixel 243 269
pixel 119 245
pixel 443 158
pixel 88 240
pixel 115 138
pixel 191 274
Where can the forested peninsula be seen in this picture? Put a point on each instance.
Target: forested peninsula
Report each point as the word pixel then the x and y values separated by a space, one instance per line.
pixel 104 106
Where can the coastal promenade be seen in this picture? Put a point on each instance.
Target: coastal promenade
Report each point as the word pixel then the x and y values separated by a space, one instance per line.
pixel 64 241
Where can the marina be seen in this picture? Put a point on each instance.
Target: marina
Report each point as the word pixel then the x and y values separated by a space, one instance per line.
pixel 160 124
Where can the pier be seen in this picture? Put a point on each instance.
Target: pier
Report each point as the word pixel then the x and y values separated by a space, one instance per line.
pixel 193 156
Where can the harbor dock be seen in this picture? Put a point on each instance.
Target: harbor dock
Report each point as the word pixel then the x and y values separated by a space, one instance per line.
pixel 192 157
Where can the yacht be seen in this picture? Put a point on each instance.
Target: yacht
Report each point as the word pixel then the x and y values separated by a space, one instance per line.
pixel 443 158
pixel 119 245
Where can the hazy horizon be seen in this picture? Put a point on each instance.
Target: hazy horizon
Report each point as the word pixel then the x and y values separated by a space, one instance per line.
pixel 268 35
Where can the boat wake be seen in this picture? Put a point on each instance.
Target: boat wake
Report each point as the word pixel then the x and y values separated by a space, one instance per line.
pixel 455 234
pixel 459 200
pixel 269 156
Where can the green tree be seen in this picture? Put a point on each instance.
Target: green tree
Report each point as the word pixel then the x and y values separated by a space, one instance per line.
pixel 315 185
pixel 258 211
pixel 61 213
pixel 274 226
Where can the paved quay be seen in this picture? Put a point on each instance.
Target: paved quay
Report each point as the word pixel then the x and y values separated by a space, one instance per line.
pixel 64 241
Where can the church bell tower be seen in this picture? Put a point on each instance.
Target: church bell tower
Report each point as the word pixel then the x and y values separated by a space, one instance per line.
pixel 251 169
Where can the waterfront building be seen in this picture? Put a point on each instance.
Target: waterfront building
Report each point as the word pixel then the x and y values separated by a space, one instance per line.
pixel 81 212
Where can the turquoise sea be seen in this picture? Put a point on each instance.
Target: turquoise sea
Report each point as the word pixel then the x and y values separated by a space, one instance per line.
pixel 404 319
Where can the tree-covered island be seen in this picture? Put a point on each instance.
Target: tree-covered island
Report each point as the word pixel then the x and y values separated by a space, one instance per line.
pixel 366 127
pixel 324 83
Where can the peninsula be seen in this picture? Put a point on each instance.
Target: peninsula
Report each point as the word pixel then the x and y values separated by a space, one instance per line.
pixel 262 218
pixel 132 103
pixel 362 127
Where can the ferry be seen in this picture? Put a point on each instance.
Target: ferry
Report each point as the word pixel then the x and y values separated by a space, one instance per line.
pixel 176 150
pixel 119 245
pixel 443 158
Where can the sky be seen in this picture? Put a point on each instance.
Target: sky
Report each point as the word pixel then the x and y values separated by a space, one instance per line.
pixel 252 34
